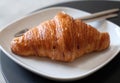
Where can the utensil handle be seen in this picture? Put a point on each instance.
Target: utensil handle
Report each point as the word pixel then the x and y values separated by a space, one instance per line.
pixel 101 15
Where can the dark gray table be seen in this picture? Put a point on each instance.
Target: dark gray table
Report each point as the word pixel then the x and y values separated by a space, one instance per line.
pixel 108 74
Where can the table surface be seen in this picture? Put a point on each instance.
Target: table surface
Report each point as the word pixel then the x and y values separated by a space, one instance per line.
pixel 108 74
pixel 11 10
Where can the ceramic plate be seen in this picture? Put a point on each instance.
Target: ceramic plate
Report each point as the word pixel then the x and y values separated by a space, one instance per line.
pixel 81 67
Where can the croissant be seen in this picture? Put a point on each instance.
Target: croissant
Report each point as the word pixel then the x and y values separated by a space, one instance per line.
pixel 61 38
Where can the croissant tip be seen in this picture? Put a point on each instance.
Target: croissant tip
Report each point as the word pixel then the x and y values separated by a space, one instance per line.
pixel 62 13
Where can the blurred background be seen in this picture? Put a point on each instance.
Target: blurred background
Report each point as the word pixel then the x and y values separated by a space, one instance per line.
pixel 13 9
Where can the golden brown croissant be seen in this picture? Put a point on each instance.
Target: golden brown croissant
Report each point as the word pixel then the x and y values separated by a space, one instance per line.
pixel 61 38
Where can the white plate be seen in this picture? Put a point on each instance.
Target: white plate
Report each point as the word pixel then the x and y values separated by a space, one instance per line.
pixel 81 67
